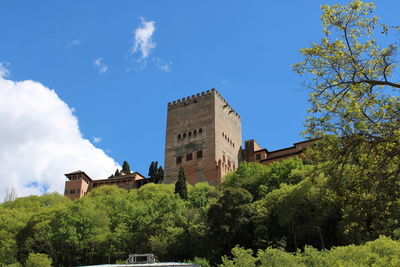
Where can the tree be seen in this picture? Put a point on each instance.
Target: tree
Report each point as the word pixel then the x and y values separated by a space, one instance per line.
pixel 10 195
pixel 38 260
pixel 351 75
pixel 160 172
pixel 126 168
pixel 230 220
pixel 151 169
pixel 155 169
pixel 180 185
pixel 355 107
pixel 116 174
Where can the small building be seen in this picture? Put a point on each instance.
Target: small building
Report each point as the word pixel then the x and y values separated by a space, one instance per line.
pixel 253 152
pixel 79 183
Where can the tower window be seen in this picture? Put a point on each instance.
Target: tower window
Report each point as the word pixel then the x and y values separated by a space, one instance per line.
pixel 200 130
pixel 184 135
pixel 72 191
pixel 190 134
pixel 223 134
pixel 179 136
pixel 195 132
pixel 233 144
pixel 189 156
pixel 200 154
pixel 178 159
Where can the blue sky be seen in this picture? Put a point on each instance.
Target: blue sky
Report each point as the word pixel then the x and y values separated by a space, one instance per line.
pixel 85 52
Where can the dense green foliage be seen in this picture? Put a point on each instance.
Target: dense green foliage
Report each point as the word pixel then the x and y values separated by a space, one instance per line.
pixel 38 260
pixel 271 209
pixel 381 252
pixel 355 110
pixel 325 211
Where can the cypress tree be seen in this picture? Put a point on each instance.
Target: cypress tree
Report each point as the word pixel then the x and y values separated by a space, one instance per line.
pixel 126 168
pixel 155 169
pixel 160 172
pixel 116 173
pixel 151 169
pixel 180 185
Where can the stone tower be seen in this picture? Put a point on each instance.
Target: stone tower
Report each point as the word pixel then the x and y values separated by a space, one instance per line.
pixel 204 136
pixel 78 184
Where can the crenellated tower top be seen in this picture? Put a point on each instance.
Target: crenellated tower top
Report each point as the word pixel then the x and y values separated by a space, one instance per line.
pixel 198 97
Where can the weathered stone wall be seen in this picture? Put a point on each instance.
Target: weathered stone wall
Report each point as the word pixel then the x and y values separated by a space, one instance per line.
pixel 209 112
pixel 228 136
pixel 75 189
pixel 190 129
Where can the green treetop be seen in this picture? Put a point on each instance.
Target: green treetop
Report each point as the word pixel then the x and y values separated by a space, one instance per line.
pixel 355 106
pixel 126 168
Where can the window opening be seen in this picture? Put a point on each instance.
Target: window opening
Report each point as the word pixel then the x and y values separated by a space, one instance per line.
pixel 179 159
pixel 189 156
pixel 200 154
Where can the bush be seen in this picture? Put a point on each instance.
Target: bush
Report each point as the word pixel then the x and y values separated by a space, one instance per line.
pixel 38 260
pixel 381 252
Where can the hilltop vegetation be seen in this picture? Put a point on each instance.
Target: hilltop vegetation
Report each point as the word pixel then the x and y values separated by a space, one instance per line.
pixel 338 207
pixel 269 209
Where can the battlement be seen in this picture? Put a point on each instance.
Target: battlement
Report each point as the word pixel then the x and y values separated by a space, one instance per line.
pixel 231 110
pixel 198 97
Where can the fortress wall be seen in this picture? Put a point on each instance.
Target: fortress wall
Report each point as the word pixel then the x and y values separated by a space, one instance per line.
pixel 184 117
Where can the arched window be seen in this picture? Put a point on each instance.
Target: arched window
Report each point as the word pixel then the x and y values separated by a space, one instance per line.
pixel 179 136
pixel 195 132
pixel 223 134
pixel 190 134
pixel 184 135
pixel 200 130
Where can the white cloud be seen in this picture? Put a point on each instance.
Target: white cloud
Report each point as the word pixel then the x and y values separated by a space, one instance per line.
pixel 99 64
pixel 163 65
pixel 40 140
pixel 96 139
pixel 143 38
pixel 4 72
pixel 74 43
